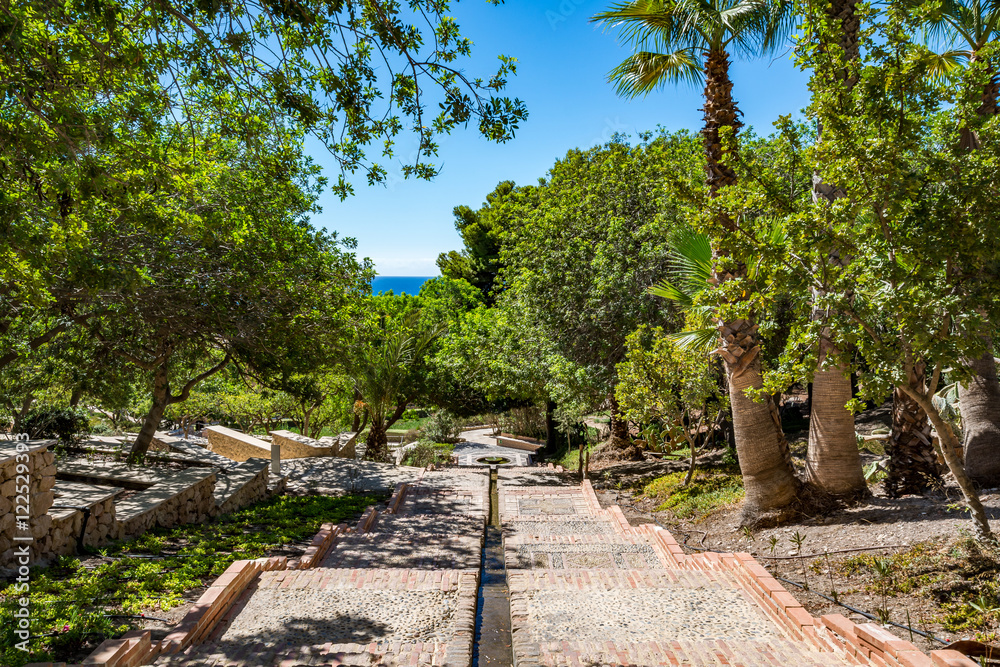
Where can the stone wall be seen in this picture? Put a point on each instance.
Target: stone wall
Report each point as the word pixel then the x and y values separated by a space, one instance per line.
pixel 186 497
pixel 32 480
pixel 242 485
pixel 235 445
pixel 295 446
pixel 101 526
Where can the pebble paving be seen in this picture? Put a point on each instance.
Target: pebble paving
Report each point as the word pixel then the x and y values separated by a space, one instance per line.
pixel 645 615
pixel 358 616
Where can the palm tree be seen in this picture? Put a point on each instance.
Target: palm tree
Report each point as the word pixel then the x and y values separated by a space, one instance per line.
pixel 385 377
pixel 833 462
pixel 677 41
pixel 966 26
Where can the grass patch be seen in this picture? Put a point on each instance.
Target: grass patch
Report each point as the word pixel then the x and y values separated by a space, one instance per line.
pixel 404 425
pixel 74 607
pixel 710 490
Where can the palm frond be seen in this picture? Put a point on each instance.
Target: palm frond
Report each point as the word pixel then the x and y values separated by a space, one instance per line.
pixel 690 253
pixel 644 72
pixel 705 339
pixel 667 290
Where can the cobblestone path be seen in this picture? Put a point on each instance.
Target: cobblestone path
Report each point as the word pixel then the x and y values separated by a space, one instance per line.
pixel 585 588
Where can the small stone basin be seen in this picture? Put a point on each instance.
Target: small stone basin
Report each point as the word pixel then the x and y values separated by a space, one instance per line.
pixel 493 460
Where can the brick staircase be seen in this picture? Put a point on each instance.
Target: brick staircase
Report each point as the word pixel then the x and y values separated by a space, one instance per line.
pixel 586 588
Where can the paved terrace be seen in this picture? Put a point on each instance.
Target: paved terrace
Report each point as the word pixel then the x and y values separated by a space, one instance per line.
pixel 585 588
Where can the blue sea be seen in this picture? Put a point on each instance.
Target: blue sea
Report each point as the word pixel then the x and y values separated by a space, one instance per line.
pixel 399 284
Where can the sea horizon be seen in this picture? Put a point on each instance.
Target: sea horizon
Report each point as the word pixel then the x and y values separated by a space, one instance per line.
pixel 399 284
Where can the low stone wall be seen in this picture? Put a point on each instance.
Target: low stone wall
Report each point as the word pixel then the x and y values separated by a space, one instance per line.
pixel 101 525
pixel 31 480
pixel 242 485
pixel 295 446
pixel 235 445
pixel 186 497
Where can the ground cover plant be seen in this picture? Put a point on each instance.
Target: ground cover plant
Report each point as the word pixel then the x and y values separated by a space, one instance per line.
pixel 81 600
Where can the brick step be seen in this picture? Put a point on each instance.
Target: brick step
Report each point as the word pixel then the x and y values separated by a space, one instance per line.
pixel 227 654
pixel 628 552
pixel 378 550
pixel 428 525
pixel 451 502
pixel 750 653
pixel 556 525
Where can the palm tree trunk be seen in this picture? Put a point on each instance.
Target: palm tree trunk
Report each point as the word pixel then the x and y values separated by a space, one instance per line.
pixel 833 462
pixel 979 399
pixel 979 403
pixel 913 465
pixel 765 461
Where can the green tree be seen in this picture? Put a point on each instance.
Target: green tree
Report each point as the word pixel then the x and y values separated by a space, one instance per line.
pixel 971 28
pixel 241 276
pixel 585 245
pixel 673 387
pixel 690 41
pixel 481 230
pixel 914 210
pixel 390 372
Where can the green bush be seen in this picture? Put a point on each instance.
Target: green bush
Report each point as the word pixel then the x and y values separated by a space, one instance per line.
pixel 442 427
pixel 427 453
pixel 63 424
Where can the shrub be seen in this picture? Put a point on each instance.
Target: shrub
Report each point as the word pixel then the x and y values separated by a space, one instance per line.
pixel 442 427
pixel 427 453
pixel 64 424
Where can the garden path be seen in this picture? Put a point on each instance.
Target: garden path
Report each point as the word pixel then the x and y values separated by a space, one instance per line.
pixel 585 588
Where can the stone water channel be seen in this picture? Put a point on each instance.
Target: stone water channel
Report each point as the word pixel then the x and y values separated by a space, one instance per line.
pixel 493 641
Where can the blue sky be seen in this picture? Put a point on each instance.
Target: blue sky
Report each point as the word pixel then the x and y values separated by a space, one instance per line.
pixel 563 61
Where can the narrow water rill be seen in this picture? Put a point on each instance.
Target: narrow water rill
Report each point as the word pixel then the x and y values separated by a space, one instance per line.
pixel 493 643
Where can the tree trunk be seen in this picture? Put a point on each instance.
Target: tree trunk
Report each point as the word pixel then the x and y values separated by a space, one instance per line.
pixel 979 402
pixel 765 460
pixel 161 399
pixel 75 396
pixel 356 422
pixel 947 448
pixel 22 413
pixel 377 443
pixel 913 466
pixel 550 426
pixel 833 462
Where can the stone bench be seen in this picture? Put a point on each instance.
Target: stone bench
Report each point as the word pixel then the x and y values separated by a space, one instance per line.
pixel 192 450
pixel 514 443
pixel 94 516
pixel 295 446
pixel 110 474
pixel 184 497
